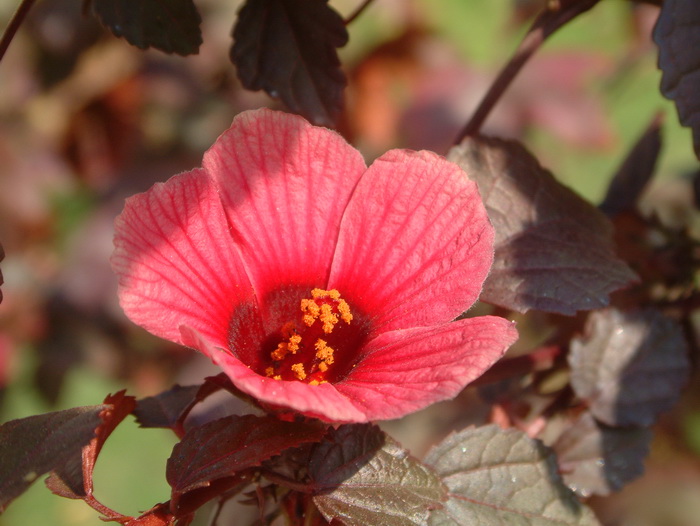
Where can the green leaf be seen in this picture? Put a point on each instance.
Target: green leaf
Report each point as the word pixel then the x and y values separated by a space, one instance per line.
pixel 498 477
pixel 361 476
pixel 169 25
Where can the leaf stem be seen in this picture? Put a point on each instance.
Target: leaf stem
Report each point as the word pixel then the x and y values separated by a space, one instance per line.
pixel 358 12
pixel 282 480
pixel 14 24
pixel 556 14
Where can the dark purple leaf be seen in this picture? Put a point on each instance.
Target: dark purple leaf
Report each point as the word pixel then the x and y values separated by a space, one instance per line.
pixel 595 459
pixel 554 251
pixel 288 48
pixel 73 479
pixel 629 366
pixel 225 447
pixel 636 171
pixel 169 25
pixel 497 476
pixel 170 408
pixel 360 476
pixel 164 409
pixel 677 33
pixel 30 447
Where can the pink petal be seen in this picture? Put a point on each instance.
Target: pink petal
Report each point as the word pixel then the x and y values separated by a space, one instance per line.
pixel 407 370
pixel 176 261
pixel 415 243
pixel 317 401
pixel 284 185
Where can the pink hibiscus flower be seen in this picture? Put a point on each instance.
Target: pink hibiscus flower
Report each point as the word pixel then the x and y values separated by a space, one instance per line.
pixel 317 284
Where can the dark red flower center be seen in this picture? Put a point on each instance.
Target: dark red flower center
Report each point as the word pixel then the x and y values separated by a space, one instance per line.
pixel 310 342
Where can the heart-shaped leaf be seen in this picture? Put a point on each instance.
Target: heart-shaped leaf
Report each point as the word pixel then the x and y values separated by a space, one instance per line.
pixel 498 477
pixel 361 476
pixel 554 251
pixel 288 48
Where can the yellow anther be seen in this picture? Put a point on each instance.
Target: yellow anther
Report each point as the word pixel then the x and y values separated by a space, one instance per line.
pixel 311 311
pixel 294 342
pixel 281 351
pixel 324 352
pixel 328 318
pixel 344 310
pixel 325 306
pixel 298 370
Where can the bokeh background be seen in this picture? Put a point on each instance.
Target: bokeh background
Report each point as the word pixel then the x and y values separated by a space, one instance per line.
pixel 87 120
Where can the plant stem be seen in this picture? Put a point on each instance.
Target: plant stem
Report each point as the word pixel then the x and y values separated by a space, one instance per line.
pixel 554 16
pixel 14 24
pixel 358 11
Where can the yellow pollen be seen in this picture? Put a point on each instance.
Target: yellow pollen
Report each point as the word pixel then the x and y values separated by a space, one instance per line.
pixel 325 306
pixel 324 352
pixel 294 342
pixel 344 310
pixel 281 351
pixel 311 311
pixel 298 370
pixel 328 318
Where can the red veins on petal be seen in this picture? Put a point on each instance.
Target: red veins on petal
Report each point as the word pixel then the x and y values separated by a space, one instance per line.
pixel 318 285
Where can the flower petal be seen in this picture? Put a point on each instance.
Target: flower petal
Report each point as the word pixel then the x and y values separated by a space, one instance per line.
pixel 317 401
pixel 415 244
pixel 407 370
pixel 176 261
pixel 284 185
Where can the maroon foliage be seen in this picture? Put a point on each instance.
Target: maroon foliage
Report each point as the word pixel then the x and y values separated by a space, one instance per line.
pixel 287 48
pixel 554 251
pixel 171 26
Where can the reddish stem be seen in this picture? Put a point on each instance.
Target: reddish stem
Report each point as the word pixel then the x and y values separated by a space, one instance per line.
pixel 14 24
pixel 555 15
pixel 358 12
